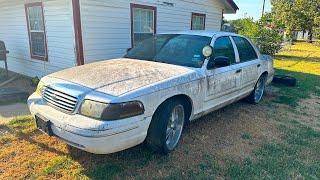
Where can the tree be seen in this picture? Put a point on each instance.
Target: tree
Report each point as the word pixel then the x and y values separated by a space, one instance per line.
pixel 284 14
pixel 297 15
pixel 308 12
pixel 317 28
pixel 246 27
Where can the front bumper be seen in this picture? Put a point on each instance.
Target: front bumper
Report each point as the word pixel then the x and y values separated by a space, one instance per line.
pixel 71 128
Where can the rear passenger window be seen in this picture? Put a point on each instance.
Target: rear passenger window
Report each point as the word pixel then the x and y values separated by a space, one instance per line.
pixel 223 47
pixel 246 51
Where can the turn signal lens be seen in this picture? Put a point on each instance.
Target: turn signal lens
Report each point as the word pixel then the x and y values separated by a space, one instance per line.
pixel 40 88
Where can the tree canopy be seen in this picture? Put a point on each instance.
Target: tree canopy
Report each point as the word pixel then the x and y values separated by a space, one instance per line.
pixel 297 15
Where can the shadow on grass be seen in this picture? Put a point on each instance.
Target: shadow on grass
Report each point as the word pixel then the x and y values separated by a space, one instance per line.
pixel 128 163
pixel 297 58
pixel 109 166
pixel 307 84
pixel 296 157
pixel 24 129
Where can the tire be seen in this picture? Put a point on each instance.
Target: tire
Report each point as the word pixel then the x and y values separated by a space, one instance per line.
pixel 256 96
pixel 285 80
pixel 162 129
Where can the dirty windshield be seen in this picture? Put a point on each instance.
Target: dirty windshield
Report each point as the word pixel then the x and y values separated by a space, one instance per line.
pixel 183 50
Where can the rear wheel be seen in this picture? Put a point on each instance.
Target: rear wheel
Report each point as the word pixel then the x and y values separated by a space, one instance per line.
pixel 258 92
pixel 166 126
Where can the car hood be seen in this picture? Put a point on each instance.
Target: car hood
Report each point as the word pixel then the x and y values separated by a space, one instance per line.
pixel 119 76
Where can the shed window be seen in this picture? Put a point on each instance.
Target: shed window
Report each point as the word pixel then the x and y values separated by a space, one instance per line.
pixel 36 30
pixel 198 21
pixel 143 22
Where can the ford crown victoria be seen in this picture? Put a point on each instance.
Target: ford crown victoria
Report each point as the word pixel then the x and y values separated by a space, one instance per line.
pixel 151 93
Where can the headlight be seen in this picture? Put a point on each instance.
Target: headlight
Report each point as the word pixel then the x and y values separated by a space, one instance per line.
pixel 107 112
pixel 40 88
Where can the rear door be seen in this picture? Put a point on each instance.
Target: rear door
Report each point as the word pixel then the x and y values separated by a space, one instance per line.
pixel 222 82
pixel 249 64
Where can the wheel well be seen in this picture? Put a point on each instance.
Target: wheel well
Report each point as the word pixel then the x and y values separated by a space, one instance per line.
pixel 187 103
pixel 265 73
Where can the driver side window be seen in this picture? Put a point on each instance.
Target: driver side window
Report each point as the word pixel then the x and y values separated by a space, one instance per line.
pixel 223 48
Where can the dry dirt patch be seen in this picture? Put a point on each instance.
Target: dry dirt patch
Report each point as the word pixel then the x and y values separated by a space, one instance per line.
pixel 307 112
pixel 220 135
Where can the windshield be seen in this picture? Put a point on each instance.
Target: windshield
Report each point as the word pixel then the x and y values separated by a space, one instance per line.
pixel 183 50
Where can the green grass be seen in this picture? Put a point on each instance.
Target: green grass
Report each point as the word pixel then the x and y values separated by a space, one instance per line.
pixel 57 164
pixel 306 86
pixel 246 136
pixel 24 124
pixel 296 154
pixel 105 171
pixel 208 168
pixel 283 160
pixel 301 61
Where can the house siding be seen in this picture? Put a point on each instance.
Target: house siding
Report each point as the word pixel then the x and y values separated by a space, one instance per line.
pixel 106 25
pixel 59 31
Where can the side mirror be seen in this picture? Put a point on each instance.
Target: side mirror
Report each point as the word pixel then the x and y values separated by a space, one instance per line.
pixel 207 51
pixel 220 61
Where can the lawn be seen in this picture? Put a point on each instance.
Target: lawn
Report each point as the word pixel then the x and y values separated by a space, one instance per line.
pixel 277 139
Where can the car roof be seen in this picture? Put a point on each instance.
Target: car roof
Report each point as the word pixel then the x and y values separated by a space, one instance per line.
pixel 203 33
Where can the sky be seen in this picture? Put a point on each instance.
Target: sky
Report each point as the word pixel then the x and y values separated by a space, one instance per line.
pixel 249 8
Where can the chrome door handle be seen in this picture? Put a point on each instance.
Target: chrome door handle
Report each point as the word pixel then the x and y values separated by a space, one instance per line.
pixel 239 71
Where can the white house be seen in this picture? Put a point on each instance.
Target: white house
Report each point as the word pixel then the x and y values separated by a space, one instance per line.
pixel 44 36
pixel 300 35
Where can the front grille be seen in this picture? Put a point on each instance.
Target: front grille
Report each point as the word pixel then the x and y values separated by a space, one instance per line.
pixel 59 99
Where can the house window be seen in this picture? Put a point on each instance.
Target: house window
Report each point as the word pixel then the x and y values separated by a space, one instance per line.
pixel 143 22
pixel 198 21
pixel 36 30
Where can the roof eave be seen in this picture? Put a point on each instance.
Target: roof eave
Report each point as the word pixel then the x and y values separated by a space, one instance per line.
pixel 231 7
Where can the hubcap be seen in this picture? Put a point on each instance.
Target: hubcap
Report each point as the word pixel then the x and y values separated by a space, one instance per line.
pixel 174 127
pixel 259 90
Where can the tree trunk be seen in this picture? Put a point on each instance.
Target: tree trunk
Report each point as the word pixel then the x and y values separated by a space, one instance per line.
pixel 310 36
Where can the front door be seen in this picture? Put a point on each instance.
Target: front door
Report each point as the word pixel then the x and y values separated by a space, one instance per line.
pixel 222 82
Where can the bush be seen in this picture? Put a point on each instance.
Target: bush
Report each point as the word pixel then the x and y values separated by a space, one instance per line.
pixel 269 41
pixel 261 33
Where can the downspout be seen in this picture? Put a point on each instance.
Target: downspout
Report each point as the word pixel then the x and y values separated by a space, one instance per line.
pixel 222 14
pixel 78 32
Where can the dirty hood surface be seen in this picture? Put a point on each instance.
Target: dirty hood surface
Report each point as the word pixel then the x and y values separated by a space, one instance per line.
pixel 119 76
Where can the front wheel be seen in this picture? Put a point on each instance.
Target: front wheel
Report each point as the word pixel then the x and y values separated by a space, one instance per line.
pixel 258 92
pixel 166 126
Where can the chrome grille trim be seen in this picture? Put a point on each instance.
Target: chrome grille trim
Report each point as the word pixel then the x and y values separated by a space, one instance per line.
pixel 66 96
pixel 59 100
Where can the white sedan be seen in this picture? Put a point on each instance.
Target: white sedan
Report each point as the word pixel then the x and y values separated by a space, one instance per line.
pixel 149 95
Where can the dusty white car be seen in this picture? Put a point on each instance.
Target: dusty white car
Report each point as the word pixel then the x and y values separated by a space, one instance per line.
pixel 149 95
